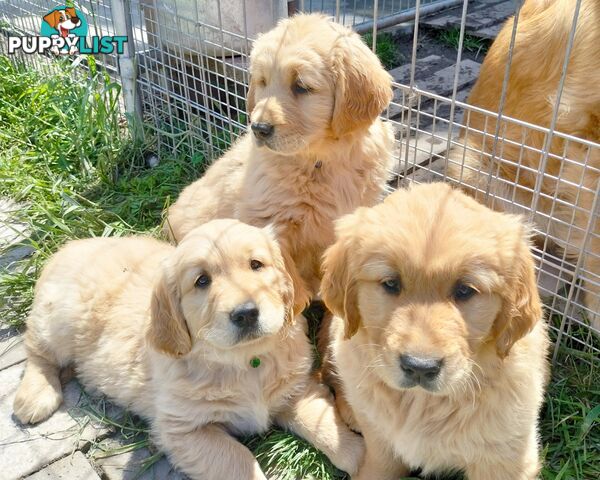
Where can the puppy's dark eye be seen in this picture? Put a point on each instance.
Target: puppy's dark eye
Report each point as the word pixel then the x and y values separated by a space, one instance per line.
pixel 256 265
pixel 463 292
pixel 300 89
pixel 202 281
pixel 391 285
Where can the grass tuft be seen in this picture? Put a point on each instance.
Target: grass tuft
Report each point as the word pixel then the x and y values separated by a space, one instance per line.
pixel 286 457
pixel 471 43
pixel 386 49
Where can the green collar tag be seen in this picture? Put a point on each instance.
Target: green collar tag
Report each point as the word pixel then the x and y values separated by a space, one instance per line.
pixel 255 362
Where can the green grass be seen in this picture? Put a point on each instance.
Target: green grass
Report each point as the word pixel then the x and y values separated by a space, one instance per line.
pixel 65 155
pixel 386 49
pixel 451 38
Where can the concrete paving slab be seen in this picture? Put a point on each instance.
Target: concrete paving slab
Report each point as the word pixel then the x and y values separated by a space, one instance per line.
pixel 489 32
pixel 12 233
pixel 423 66
pixel 423 148
pixel 442 82
pixel 72 467
pixel 129 465
pixel 12 350
pixel 481 14
pixel 25 449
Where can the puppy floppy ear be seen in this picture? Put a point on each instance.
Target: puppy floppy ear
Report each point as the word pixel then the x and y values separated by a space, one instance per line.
pixel 338 286
pixel 53 18
pixel 363 88
pixel 168 332
pixel 301 297
pixel 521 305
pixel 250 98
pixel 297 296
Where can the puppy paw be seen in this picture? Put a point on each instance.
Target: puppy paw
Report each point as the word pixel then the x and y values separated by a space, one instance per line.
pixel 34 405
pixel 347 415
pixel 351 453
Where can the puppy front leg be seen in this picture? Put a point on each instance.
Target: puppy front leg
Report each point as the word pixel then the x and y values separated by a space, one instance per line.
pixel 502 471
pixel 313 417
pixel 380 461
pixel 208 453
pixel 526 468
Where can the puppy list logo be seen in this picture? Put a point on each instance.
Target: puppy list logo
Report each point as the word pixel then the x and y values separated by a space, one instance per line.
pixel 64 31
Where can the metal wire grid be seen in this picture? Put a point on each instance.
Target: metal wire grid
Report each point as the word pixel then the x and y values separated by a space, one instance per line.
pixel 192 81
pixel 360 14
pixel 192 77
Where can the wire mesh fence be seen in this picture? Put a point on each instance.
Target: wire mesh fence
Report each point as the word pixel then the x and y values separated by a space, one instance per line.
pixel 192 75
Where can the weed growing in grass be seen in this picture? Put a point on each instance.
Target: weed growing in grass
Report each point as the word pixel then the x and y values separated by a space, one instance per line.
pixel 451 38
pixel 386 49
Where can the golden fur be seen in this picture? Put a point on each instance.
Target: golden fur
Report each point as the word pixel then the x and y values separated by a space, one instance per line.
pixel 326 157
pixel 479 414
pixel 542 36
pixel 128 314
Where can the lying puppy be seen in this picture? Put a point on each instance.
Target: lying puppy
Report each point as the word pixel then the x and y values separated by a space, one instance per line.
pixel 438 337
pixel 571 173
pixel 199 339
pixel 317 149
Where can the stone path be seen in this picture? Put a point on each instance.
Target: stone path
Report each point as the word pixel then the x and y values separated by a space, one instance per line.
pixel 484 17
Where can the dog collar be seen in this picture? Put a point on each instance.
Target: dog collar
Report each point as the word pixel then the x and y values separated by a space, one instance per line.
pixel 255 362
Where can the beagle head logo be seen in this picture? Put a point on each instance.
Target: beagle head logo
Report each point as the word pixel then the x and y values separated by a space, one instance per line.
pixel 63 20
pixel 65 25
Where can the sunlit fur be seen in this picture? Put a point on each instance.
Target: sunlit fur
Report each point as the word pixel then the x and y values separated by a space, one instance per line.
pixel 328 153
pixel 480 415
pixel 127 314
pixel 538 57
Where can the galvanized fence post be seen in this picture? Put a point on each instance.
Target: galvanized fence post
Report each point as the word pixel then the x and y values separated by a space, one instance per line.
pixel 121 19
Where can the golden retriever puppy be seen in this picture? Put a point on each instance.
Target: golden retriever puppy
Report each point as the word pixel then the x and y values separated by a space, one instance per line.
pixel 199 339
pixel 438 335
pixel 316 150
pixel 539 51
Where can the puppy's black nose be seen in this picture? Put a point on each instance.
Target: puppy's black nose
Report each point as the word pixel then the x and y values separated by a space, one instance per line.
pixel 262 131
pixel 75 20
pixel 420 369
pixel 245 316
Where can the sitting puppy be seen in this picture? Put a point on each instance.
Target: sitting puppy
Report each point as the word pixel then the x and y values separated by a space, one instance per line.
pixel 317 149
pixel 438 337
pixel 199 339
